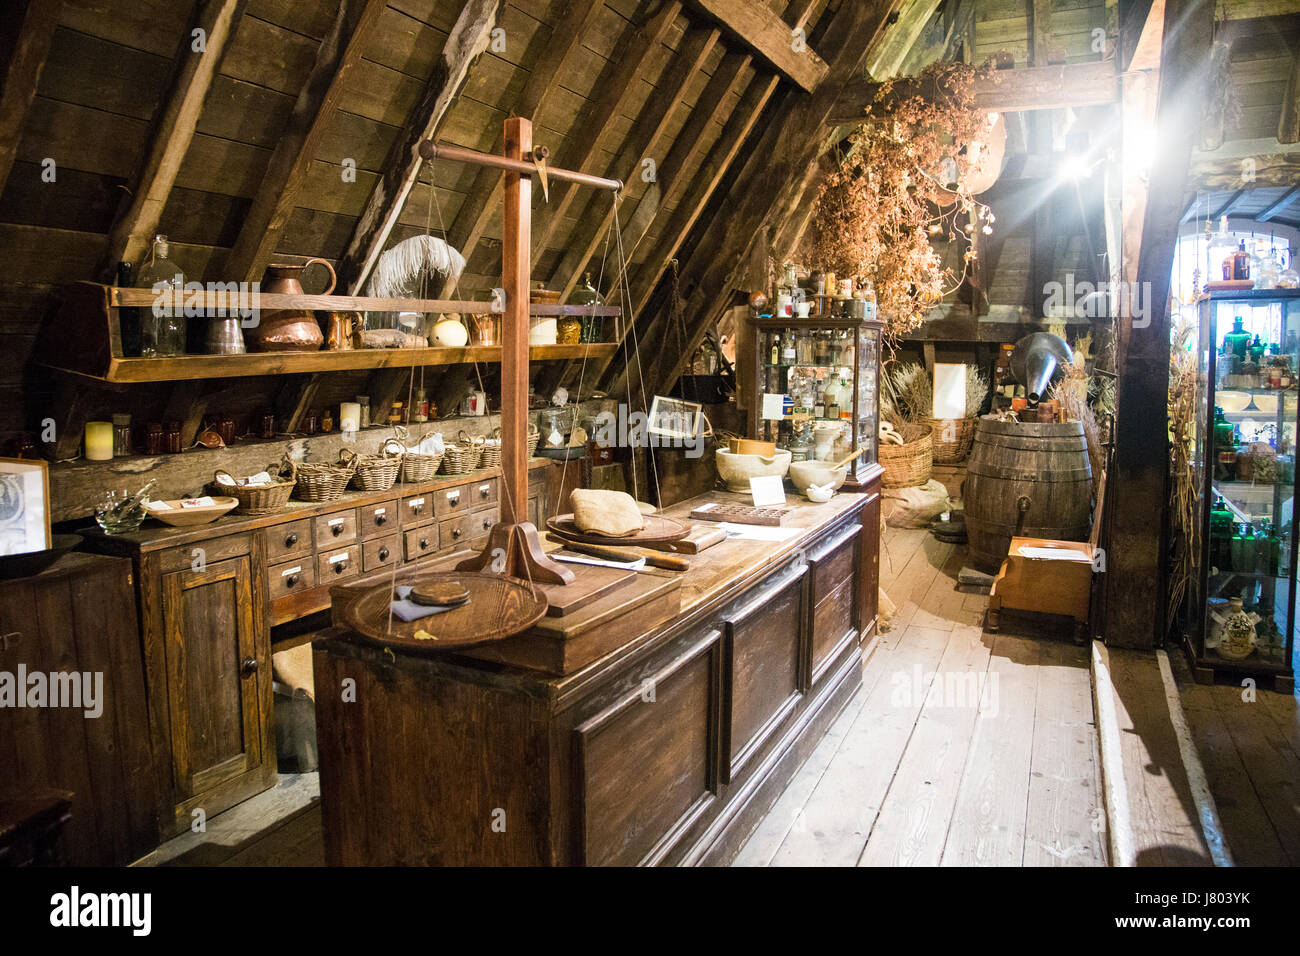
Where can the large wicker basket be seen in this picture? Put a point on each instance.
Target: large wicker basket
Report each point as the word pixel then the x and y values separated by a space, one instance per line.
pixel 320 482
pixel 908 465
pixel 951 439
pixel 463 456
pixel 377 472
pixel 417 467
pixel 257 499
pixel 492 451
pixel 534 436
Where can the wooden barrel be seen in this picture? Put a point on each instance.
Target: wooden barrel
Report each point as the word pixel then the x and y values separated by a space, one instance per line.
pixel 1025 480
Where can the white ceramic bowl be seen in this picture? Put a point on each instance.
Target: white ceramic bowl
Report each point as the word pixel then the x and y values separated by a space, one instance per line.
pixel 805 473
pixel 736 470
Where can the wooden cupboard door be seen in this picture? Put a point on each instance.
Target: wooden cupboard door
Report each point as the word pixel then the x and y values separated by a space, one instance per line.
pixel 214 672
pixel 837 593
pixel 764 651
pixel 648 764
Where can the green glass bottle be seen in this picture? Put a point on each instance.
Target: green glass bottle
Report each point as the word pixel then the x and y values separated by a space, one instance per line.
pixel 1224 436
pixel 1220 534
pixel 1257 349
pixel 1243 548
pixel 1237 341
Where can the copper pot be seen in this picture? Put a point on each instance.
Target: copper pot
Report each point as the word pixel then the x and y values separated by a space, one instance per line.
pixel 288 330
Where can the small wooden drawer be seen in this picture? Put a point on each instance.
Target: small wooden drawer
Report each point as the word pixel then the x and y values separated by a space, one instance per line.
pixel 283 540
pixel 455 532
pixel 481 521
pixel 482 493
pixel 378 519
pixel 291 576
pixel 337 564
pixel 452 501
pixel 417 509
pixel 334 529
pixel 379 553
pixel 421 542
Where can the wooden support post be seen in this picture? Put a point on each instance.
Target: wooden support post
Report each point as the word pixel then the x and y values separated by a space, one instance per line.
pixel 1136 571
pixel 295 150
pixel 26 31
pixel 468 38
pixel 171 133
pixel 1288 124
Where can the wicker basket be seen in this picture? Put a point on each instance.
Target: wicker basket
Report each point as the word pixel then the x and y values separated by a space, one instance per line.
pixel 952 438
pixel 376 472
pixel 463 456
pixel 257 499
pixel 908 465
pixel 417 468
pixel 319 482
pixel 534 436
pixel 492 451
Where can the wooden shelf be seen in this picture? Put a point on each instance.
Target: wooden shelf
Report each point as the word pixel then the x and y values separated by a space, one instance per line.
pixel 185 367
pixel 94 349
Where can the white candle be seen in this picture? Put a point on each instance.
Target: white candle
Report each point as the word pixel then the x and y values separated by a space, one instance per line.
pixel 99 441
pixel 349 416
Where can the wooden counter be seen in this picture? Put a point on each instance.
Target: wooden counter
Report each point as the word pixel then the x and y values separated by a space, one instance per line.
pixel 663 742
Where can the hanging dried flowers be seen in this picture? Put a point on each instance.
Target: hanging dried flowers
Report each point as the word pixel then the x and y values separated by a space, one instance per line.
pixel 903 182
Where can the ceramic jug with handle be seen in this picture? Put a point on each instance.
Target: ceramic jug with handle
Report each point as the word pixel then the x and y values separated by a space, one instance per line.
pixel 288 330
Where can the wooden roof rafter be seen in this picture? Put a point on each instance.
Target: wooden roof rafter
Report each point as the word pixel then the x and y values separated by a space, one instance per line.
pixel 771 38
pixel 26 31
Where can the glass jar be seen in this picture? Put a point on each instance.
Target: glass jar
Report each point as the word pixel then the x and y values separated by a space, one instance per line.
pixel 172 438
pixel 121 435
pixel 154 443
pixel 311 421
pixel 568 330
pixel 162 326
pixel 364 402
pixel 268 424
pixel 592 326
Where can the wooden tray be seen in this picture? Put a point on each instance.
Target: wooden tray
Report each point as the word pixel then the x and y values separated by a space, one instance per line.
pixel 741 514
pixel 498 607
pixel 657 528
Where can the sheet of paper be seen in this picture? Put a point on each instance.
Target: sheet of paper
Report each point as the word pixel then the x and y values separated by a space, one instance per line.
pixel 949 391
pixel 768 490
pixel 636 565
pixel 773 406
pixel 756 532
pixel 1054 554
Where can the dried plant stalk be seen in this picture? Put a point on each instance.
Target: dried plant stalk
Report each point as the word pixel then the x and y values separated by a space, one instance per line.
pixel 1071 392
pixel 906 396
pixel 1184 490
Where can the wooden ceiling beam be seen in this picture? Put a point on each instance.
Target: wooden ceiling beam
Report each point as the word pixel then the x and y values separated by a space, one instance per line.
pixel 468 39
pixel 1288 124
pixel 786 150
pixel 642 143
pixel 1228 206
pixel 295 151
pixel 1032 88
pixel 889 55
pixel 26 32
pixel 614 89
pixel 171 132
pixel 1142 31
pixel 1257 163
pixel 770 37
pixel 575 23
pixel 1275 207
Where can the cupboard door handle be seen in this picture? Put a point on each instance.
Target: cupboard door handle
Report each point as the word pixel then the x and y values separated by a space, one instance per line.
pixel 248 668
pixel 383 554
pixel 336 530
pixel 290 539
pixel 482 492
pixel 291 581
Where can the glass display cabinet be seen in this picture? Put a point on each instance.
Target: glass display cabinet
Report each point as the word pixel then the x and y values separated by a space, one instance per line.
pixel 1241 612
pixel 824 372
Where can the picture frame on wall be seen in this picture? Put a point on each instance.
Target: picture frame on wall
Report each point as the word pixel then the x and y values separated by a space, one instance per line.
pixel 24 506
pixel 674 418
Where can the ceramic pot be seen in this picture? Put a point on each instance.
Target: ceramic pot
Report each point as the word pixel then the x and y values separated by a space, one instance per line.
pixel 288 330
pixel 736 470
pixel 1237 638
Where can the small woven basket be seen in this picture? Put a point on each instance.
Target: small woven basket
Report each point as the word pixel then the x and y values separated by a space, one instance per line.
pixel 320 482
pixel 463 456
pixel 257 499
pixel 417 467
pixel 377 472
pixel 952 439
pixel 534 436
pixel 909 464
pixel 492 451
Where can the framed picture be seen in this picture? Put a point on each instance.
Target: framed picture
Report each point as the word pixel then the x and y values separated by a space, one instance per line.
pixel 674 418
pixel 24 506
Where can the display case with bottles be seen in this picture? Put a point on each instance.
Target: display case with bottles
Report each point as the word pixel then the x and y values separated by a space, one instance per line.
pixel 825 372
pixel 1240 616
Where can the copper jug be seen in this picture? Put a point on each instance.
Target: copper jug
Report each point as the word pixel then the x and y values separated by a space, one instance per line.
pixel 288 330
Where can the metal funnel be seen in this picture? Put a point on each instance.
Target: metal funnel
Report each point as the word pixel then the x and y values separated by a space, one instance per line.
pixel 1037 359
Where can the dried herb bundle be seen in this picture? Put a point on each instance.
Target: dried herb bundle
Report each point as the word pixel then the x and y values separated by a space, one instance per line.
pixel 1183 486
pixel 906 396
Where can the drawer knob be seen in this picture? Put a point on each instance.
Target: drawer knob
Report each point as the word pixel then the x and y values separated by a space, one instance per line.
pixel 455 532
pixel 248 668
pixel 383 554
pixel 336 530
pixel 291 581
pixel 418 509
pixel 290 539
pixel 424 543
pixel 340 567
pixel 482 492
pixel 380 519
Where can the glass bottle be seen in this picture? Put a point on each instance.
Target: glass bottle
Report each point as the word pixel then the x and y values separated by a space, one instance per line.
pixel 1238 340
pixel 121 435
pixel 364 402
pixel 593 329
pixel 788 353
pixel 162 327
pixel 774 354
pixel 1241 262
pixel 869 295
